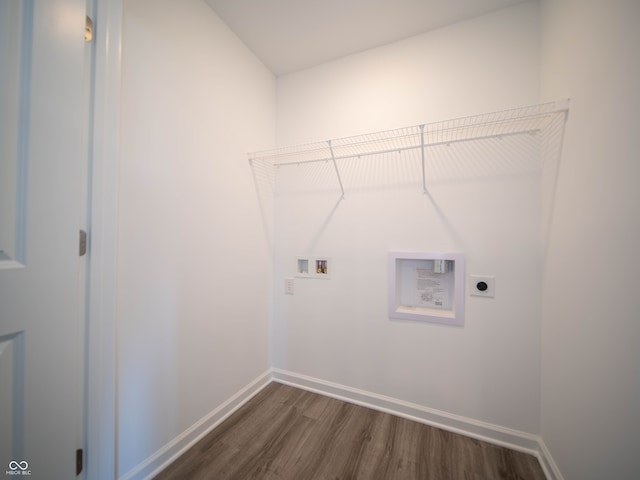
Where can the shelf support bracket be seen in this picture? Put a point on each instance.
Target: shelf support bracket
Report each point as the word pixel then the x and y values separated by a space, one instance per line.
pixel 335 165
pixel 424 177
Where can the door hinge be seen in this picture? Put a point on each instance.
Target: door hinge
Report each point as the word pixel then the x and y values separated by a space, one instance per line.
pixel 88 29
pixel 82 247
pixel 79 459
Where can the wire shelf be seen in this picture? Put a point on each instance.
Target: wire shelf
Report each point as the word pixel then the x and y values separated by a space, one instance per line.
pixel 530 120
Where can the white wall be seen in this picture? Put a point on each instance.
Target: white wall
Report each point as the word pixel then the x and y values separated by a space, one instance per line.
pixel 484 201
pixel 485 64
pixel 193 247
pixel 194 263
pixel 591 316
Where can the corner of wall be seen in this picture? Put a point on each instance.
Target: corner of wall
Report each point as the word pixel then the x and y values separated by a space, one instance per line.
pixel 163 457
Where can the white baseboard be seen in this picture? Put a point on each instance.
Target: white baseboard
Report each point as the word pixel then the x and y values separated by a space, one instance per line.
pixel 495 434
pixel 547 463
pixel 161 459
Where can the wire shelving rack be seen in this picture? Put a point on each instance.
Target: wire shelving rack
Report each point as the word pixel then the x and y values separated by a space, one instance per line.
pixel 529 120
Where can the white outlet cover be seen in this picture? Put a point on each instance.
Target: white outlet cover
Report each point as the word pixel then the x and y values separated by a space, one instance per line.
pixel 489 280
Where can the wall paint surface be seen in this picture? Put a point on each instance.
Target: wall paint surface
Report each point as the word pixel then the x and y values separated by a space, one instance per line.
pixel 485 64
pixel 591 329
pixel 194 263
pixel 483 201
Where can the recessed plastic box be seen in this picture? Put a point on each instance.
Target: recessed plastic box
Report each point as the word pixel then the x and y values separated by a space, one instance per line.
pixel 313 267
pixel 427 287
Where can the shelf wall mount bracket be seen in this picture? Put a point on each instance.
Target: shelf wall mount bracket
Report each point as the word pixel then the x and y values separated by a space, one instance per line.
pixel 335 165
pixel 424 175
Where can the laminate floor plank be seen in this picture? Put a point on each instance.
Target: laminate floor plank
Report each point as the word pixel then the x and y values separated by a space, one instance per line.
pixel 326 449
pixel 313 406
pixel 285 433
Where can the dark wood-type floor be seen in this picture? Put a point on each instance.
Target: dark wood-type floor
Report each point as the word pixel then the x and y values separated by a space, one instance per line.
pixel 285 433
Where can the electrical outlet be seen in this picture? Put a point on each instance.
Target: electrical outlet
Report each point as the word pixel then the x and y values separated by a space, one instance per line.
pixel 288 286
pixel 482 285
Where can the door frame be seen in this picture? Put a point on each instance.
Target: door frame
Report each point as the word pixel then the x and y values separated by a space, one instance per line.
pixel 101 358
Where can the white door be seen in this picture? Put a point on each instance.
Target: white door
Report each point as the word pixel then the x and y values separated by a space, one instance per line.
pixel 42 112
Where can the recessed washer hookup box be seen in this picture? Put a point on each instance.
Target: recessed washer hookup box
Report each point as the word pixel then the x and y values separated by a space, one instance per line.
pixel 427 287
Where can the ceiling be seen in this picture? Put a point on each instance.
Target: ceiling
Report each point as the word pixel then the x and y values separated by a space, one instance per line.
pixel 290 35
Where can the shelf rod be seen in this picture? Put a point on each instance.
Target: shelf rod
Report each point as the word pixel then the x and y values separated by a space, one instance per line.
pixel 424 177
pixel 335 165
pixel 401 149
